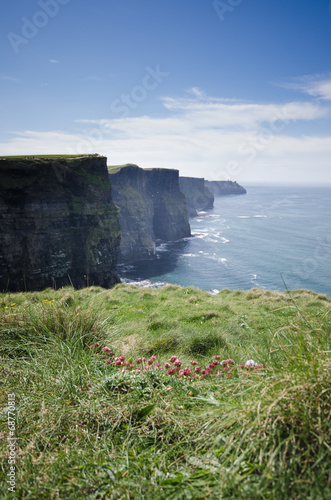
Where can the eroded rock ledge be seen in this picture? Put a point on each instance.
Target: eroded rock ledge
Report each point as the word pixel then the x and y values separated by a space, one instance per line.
pixel 152 209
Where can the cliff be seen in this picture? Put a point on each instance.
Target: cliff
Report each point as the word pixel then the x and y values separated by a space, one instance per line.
pixel 58 223
pixel 152 209
pixel 198 196
pixel 224 188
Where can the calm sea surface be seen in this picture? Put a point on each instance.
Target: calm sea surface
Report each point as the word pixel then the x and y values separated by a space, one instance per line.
pixel 268 237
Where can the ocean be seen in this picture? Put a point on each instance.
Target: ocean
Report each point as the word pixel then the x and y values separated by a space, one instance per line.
pixel 272 238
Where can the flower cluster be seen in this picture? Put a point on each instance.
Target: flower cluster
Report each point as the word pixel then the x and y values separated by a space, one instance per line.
pixel 217 368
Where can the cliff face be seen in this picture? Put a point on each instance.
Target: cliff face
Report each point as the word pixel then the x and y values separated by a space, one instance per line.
pixel 198 196
pixel 58 223
pixel 224 188
pixel 152 209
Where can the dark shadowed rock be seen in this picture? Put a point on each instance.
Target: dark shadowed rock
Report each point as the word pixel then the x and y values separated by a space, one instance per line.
pixel 58 223
pixel 198 196
pixel 152 209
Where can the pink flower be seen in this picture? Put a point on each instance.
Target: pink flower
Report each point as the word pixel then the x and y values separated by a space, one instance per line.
pixel 138 360
pixel 108 361
pixel 194 362
pixel 150 361
pixel 171 372
pixel 230 375
pixel 181 372
pixel 153 357
pixel 187 372
pixel 217 357
pixel 178 363
pixel 203 372
pixel 167 365
pixel 230 362
pixel 106 349
pixel 122 358
pixel 173 359
pixel 157 365
pixel 97 344
pixel 197 369
pixel 215 363
pixel 118 363
pixel 250 364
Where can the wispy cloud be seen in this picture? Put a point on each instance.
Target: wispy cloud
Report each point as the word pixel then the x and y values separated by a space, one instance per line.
pixel 53 61
pixel 10 79
pixel 201 136
pixel 314 85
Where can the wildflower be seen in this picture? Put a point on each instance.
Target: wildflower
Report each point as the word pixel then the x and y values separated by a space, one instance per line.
pixel 108 361
pixel 106 349
pixel 217 356
pixel 173 359
pixel 97 344
pixel 178 363
pixel 171 372
pixel 150 361
pixel 230 362
pixel 181 372
pixel 157 365
pixel 153 357
pixel 203 372
pixel 230 375
pixel 167 365
pixel 250 363
pixel 187 372
pixel 118 362
pixel 194 362
pixel 197 369
pixel 215 362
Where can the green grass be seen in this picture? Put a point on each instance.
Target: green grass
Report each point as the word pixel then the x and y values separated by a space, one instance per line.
pixel 86 429
pixel 30 157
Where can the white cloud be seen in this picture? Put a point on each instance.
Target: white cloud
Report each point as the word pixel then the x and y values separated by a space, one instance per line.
pixel 53 61
pixel 314 85
pixel 201 136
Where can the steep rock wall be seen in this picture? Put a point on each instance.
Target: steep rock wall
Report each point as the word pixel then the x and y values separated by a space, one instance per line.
pixel 224 188
pixel 152 209
pixel 198 196
pixel 58 223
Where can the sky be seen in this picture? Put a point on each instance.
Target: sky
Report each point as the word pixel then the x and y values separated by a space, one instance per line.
pixel 221 89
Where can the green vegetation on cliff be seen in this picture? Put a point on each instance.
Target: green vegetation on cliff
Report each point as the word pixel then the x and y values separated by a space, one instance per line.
pixel 85 429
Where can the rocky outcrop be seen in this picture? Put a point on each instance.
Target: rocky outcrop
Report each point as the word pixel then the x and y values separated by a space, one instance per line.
pixel 197 195
pixel 224 188
pixel 58 223
pixel 152 209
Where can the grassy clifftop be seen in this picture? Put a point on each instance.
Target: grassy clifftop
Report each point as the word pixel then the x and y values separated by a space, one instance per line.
pixel 92 427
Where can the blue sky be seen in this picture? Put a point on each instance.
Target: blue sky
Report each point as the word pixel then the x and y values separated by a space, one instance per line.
pixel 222 89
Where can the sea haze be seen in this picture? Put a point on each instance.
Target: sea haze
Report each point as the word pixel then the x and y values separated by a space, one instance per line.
pixel 271 238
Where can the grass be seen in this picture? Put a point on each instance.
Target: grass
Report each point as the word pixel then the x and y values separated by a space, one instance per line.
pixel 87 429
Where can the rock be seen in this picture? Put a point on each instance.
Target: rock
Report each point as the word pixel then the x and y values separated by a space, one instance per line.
pixel 152 209
pixel 58 223
pixel 224 188
pixel 198 196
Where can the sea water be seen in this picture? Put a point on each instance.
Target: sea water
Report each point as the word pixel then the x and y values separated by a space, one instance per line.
pixel 271 238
